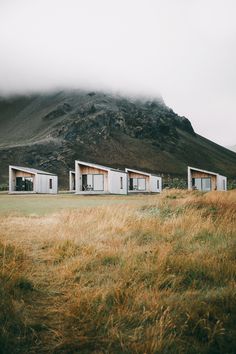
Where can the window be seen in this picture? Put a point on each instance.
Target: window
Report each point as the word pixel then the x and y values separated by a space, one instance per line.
pixel 202 184
pixel 131 184
pixel 93 182
pixel 137 184
pixel 197 183
pixel 206 184
pixel 24 184
pixel 158 184
pixel 141 184
pixel 50 183
pixel 121 182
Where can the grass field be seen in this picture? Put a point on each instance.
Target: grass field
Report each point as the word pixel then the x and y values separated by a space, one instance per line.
pixel 140 274
pixel 41 204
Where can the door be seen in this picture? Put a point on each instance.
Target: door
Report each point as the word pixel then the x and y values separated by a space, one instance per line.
pixel 98 182
pixel 141 184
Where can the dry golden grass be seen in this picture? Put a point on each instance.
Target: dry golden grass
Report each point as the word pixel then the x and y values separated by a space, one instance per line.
pixel 156 277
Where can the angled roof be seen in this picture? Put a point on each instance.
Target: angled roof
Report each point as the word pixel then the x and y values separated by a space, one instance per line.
pixel 101 167
pixel 140 172
pixel 31 170
pixel 204 171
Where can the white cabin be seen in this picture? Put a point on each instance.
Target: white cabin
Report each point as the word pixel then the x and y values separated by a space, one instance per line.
pixel 29 180
pixel 143 182
pixel 91 178
pixel 71 181
pixel 206 181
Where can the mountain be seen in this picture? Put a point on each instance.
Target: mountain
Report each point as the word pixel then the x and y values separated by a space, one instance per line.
pixel 232 148
pixel 49 131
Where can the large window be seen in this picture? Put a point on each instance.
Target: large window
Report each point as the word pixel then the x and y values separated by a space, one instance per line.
pixel 24 184
pixel 137 184
pixel 206 184
pixel 93 182
pixel 202 184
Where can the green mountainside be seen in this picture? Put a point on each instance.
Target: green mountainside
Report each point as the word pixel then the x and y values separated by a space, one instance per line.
pixel 49 131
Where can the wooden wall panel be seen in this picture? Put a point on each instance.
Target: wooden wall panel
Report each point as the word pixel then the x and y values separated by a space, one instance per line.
pixel 137 175
pixel 86 170
pixel 23 174
pixel 199 174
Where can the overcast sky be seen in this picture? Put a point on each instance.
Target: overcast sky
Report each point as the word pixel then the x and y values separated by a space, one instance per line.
pixel 184 50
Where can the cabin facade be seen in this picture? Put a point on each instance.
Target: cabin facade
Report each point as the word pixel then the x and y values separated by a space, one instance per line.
pixel 143 182
pixel 96 179
pixel 29 180
pixel 206 181
pixel 72 181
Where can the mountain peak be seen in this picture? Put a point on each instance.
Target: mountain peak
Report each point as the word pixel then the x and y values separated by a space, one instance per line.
pixel 51 130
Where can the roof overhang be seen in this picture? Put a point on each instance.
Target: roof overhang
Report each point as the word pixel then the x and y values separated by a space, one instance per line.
pixel 204 171
pixel 100 167
pixel 138 172
pixel 31 170
pixel 26 170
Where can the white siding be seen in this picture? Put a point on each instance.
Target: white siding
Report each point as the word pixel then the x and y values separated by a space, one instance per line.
pixel 11 183
pixel 221 183
pixel 43 184
pixel 77 178
pixel 189 179
pixel 156 184
pixel 114 182
pixel 71 181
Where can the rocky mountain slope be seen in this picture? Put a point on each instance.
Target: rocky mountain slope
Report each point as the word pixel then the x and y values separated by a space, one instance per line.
pixel 49 131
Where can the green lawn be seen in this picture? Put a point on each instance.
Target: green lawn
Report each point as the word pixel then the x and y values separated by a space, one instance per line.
pixel 43 204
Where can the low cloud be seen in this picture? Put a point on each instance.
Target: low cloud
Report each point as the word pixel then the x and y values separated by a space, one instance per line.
pixel 184 50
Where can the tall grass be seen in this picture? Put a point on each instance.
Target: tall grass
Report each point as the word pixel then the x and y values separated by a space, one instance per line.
pixel 158 277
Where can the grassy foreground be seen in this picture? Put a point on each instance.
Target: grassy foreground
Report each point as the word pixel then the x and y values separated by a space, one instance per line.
pixel 44 204
pixel 156 276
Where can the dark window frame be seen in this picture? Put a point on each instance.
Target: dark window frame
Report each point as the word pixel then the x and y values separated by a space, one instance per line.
pixel 132 184
pixel 121 182
pixel 92 186
pixel 201 179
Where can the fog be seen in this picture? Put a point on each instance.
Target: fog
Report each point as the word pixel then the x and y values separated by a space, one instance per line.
pixel 184 50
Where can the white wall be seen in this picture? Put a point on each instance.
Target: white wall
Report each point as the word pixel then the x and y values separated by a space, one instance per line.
pixel 153 184
pixel 11 184
pixel 189 179
pixel 114 182
pixel 77 177
pixel 71 181
pixel 221 183
pixel 42 184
